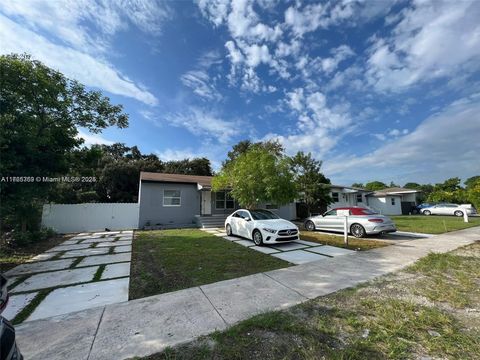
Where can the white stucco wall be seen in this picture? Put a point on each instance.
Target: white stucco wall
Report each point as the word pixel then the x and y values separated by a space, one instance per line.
pixel 384 205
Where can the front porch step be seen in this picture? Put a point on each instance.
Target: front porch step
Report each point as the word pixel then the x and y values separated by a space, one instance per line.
pixel 214 221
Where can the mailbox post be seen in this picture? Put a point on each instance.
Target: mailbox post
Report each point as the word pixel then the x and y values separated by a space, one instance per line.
pixel 345 214
pixel 465 216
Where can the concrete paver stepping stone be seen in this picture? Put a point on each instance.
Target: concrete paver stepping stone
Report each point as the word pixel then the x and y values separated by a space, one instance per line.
pixel 121 249
pixel 105 259
pixel 56 278
pixel 288 246
pixel 116 270
pixel 62 337
pixel 264 249
pixel 330 250
pixel 16 304
pixel 85 252
pixel 127 232
pixel 81 297
pixel 241 298
pixel 42 266
pixel 154 322
pixel 221 234
pixel 115 243
pixel 299 256
pixel 41 257
pixel 69 247
pixel 304 242
pixel 231 238
pixel 70 242
pixel 245 242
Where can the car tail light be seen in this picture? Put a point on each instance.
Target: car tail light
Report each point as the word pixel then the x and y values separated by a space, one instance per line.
pixel 376 220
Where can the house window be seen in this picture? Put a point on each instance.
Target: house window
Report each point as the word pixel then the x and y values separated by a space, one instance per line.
pixel 393 201
pixel 223 200
pixel 171 198
pixel 335 196
pixel 359 198
pixel 229 202
pixel 220 200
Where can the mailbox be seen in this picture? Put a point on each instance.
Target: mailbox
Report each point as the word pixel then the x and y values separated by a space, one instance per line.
pixel 343 212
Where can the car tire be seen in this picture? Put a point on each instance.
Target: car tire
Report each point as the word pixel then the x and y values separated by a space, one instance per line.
pixel 458 213
pixel 357 230
pixel 427 212
pixel 257 237
pixel 228 230
pixel 310 226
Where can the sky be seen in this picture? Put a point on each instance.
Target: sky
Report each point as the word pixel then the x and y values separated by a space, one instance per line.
pixel 377 90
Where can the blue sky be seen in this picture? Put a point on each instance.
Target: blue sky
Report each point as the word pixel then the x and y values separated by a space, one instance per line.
pixel 378 90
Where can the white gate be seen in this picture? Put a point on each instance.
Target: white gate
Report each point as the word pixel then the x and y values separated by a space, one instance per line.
pixel 66 218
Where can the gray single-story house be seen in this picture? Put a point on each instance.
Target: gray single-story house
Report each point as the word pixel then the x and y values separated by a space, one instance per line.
pixel 172 200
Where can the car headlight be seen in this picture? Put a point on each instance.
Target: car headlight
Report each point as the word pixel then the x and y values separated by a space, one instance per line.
pixel 270 230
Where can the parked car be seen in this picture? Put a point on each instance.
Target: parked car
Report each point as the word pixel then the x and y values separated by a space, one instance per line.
pixel 360 222
pixel 261 226
pixel 8 346
pixel 448 209
pixel 418 209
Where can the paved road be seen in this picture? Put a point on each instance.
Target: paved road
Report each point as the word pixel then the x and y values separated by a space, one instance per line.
pixel 146 326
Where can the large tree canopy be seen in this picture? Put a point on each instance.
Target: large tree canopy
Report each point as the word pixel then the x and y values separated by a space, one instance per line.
pixel 257 175
pixel 40 110
pixel 375 185
pixel 312 186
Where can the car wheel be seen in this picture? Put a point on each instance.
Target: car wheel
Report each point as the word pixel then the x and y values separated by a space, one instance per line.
pixel 458 213
pixel 427 212
pixel 357 230
pixel 257 237
pixel 228 230
pixel 310 226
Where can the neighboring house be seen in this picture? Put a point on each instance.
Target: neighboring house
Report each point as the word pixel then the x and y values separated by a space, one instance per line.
pixel 389 201
pixel 347 196
pixel 171 200
pixel 393 201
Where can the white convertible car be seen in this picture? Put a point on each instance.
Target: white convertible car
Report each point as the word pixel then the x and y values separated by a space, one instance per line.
pixel 261 226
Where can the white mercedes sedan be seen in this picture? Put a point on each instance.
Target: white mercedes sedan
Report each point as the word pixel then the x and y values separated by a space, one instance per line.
pixel 261 226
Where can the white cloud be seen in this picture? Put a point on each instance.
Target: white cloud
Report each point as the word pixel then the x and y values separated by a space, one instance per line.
pixel 201 84
pixel 78 36
pixel 434 39
pixel 87 69
pixel 173 155
pixel 205 124
pixel 310 18
pixel 443 145
pixel 93 139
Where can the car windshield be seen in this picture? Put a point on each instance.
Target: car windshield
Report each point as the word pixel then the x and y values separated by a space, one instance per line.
pixel 263 215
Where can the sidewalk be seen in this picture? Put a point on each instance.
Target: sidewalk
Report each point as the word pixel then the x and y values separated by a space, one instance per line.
pixel 146 326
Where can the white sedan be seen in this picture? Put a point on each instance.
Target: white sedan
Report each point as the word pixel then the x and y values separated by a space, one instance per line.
pixel 448 209
pixel 261 226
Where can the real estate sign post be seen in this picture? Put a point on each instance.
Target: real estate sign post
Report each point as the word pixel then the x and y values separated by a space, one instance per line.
pixel 345 214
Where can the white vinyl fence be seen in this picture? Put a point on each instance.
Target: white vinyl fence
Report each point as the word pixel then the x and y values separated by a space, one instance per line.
pixel 66 218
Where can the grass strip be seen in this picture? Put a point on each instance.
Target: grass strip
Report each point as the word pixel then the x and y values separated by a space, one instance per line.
pixel 27 310
pixel 76 262
pixel 98 274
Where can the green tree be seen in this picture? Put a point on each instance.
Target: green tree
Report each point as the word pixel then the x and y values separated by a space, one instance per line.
pixel 358 185
pixel 375 185
pixel 257 176
pixel 472 182
pixel 40 110
pixel 412 185
pixel 243 146
pixel 196 166
pixel 312 186
pixel 473 192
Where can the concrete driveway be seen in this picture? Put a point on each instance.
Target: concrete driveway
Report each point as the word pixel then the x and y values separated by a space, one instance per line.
pixel 88 270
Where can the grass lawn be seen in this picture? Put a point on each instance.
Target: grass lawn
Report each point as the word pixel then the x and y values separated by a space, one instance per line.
pixel 333 240
pixel 422 312
pixel 169 260
pixel 11 257
pixel 432 224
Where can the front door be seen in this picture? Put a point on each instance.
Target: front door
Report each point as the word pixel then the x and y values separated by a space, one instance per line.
pixel 206 206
